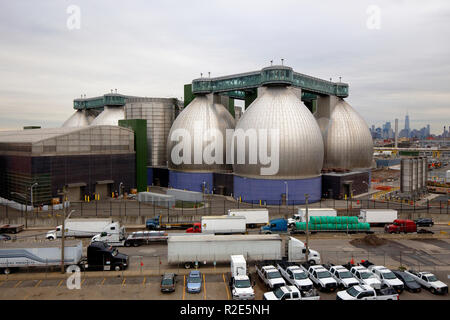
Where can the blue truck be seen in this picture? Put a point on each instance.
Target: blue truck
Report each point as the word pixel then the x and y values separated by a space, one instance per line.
pixel 275 226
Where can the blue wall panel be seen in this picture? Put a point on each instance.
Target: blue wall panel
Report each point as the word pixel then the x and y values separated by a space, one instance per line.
pixel 192 181
pixel 149 176
pixel 271 191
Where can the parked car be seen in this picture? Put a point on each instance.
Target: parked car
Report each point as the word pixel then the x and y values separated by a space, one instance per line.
pixel 364 276
pixel 5 237
pixel 168 282
pixel 194 282
pixel 429 281
pixel 410 284
pixel 387 278
pixel 424 222
pixel 366 292
pixel 343 277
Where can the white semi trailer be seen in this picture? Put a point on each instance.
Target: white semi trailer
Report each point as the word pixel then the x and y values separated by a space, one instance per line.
pixel 190 250
pixel 40 254
pixel 88 227
pixel 253 217
pixel 377 216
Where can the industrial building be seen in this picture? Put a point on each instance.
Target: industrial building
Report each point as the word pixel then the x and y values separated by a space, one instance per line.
pixel 114 141
pixel 87 160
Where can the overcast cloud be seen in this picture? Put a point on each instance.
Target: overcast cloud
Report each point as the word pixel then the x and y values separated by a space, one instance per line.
pixel 152 48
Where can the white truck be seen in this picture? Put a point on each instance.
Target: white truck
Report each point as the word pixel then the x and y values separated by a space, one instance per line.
pixel 364 276
pixel 380 217
pixel 269 275
pixel 223 224
pixel 118 238
pixel 429 281
pixel 87 227
pixel 284 293
pixel 387 277
pixel 343 277
pixel 193 249
pixel 322 278
pixel 254 217
pixel 366 292
pixel 300 216
pixel 240 284
pixel 296 276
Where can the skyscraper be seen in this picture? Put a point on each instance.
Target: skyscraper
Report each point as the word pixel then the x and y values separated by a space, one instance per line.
pixel 407 129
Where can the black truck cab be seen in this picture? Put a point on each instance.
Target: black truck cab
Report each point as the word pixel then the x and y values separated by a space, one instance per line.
pixel 102 256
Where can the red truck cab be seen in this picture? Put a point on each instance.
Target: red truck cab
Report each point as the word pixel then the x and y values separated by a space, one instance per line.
pixel 400 225
pixel 197 228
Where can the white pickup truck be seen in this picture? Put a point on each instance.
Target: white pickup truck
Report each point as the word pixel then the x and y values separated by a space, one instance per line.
pixel 240 284
pixel 364 276
pixel 429 281
pixel 343 277
pixel 270 276
pixel 366 292
pixel 285 293
pixel 322 278
pixel 387 278
pixel 298 277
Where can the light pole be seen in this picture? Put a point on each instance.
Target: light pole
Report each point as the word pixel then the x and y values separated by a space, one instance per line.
pixel 287 193
pixel 307 229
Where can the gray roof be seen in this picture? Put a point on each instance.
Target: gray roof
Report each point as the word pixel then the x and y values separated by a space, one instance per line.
pixel 37 135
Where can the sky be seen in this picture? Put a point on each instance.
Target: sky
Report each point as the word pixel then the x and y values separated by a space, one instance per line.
pixel 394 54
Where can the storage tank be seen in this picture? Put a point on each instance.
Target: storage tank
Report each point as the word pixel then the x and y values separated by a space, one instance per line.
pixel 189 170
pixel 406 175
pixel 419 174
pixel 78 119
pixel 109 116
pixel 300 149
pixel 414 174
pixel 347 139
pixel 160 114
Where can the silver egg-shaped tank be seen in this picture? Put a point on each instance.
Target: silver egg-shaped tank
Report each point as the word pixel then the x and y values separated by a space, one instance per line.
pixel 109 116
pixel 78 119
pixel 201 115
pixel 300 143
pixel 347 139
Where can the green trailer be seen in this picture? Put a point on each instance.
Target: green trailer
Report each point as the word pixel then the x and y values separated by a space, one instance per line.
pixel 332 224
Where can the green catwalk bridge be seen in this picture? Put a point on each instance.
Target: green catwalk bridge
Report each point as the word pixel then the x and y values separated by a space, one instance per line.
pixel 237 85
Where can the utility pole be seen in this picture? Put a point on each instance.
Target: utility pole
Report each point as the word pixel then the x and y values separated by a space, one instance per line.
pixel 307 228
pixel 31 202
pixel 63 228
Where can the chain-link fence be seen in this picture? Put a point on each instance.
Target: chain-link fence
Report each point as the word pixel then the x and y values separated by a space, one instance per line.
pixel 216 205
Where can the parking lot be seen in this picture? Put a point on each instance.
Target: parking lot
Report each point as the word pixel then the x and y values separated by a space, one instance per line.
pixel 214 287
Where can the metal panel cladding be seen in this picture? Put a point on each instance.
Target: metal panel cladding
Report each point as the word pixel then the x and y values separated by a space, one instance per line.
pixel 201 111
pixel 300 140
pixel 78 119
pixel 160 114
pixel 347 140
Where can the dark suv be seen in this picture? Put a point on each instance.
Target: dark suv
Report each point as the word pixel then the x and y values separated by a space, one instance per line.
pixel 424 222
pixel 168 282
